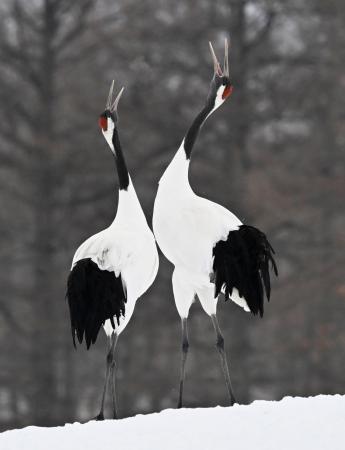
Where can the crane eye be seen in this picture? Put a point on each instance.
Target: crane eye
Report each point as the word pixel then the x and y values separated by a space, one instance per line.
pixel 227 91
pixel 103 123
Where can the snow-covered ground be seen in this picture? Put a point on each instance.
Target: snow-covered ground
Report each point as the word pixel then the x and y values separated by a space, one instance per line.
pixel 315 423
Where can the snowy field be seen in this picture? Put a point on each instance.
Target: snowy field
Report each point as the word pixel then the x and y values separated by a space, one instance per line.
pixel 316 423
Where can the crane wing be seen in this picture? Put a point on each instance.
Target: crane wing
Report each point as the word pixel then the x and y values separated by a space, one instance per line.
pixel 94 296
pixel 96 290
pixel 241 265
pixel 91 248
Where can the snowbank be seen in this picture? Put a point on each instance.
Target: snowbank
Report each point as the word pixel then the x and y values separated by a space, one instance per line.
pixel 316 423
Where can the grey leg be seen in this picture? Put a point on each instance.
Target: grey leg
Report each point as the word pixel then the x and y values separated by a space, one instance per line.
pixel 222 354
pixel 100 416
pixel 113 375
pixel 185 346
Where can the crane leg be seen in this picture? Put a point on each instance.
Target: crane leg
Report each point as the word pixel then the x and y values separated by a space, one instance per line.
pixel 222 354
pixel 113 375
pixel 185 347
pixel 109 359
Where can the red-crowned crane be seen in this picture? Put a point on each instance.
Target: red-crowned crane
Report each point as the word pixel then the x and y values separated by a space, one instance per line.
pixel 211 249
pixel 113 268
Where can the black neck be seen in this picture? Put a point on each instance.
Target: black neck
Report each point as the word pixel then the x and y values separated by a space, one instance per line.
pixel 120 162
pixel 193 131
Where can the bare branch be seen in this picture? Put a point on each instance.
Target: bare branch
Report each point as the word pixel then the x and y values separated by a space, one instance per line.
pixel 10 318
pixel 262 34
pixel 79 27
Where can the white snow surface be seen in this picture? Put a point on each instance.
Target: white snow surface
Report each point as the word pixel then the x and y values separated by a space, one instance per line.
pixel 316 423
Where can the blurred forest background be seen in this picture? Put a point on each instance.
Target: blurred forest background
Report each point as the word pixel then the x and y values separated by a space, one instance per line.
pixel 273 154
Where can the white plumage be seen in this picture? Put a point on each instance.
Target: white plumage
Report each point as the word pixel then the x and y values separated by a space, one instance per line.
pixel 186 228
pixel 126 247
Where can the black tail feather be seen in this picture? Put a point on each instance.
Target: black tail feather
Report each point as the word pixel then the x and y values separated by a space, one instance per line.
pixel 93 296
pixel 242 262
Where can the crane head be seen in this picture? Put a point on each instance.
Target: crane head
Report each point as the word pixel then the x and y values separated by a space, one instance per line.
pixel 221 86
pixel 108 119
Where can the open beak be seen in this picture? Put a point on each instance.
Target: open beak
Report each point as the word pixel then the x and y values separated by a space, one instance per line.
pixel 217 69
pixel 112 104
